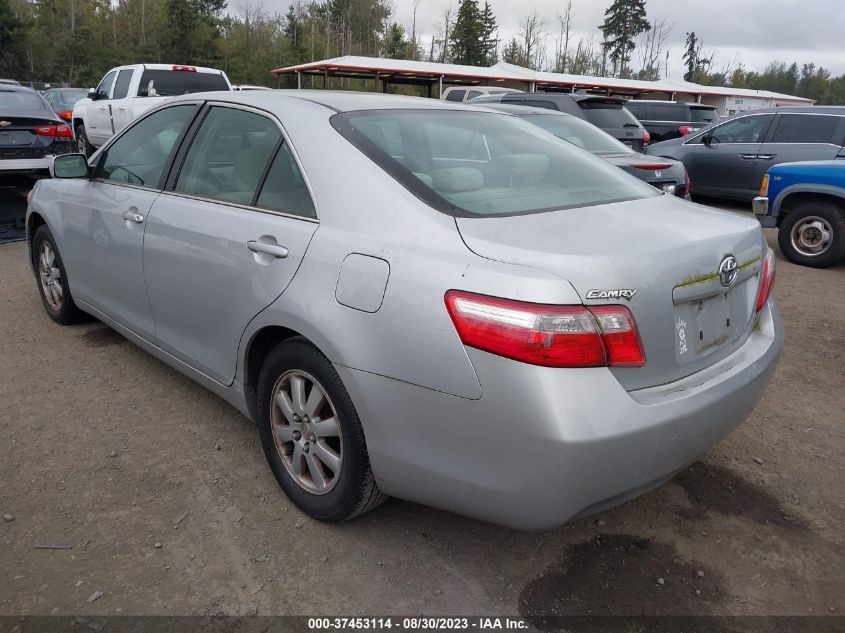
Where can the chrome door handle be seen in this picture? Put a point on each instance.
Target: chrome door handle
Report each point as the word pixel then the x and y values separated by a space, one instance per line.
pixel 279 252
pixel 766 156
pixel 129 216
pixel 748 156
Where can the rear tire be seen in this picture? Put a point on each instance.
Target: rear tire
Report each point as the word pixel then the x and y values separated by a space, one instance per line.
pixel 322 466
pixel 51 278
pixel 83 145
pixel 813 234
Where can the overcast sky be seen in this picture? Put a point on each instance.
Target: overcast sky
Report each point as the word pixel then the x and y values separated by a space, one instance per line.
pixel 754 31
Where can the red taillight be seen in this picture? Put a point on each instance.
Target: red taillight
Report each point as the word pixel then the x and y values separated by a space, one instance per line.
pixel 57 131
pixel 547 335
pixel 767 279
pixel 686 129
pixel 646 137
pixel 653 166
pixel 187 69
pixel 67 115
pixel 620 336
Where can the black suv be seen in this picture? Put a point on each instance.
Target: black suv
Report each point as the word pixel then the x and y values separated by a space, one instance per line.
pixel 672 119
pixel 606 113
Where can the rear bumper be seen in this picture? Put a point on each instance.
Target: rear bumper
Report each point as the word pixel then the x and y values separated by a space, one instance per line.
pixel 25 165
pixel 542 445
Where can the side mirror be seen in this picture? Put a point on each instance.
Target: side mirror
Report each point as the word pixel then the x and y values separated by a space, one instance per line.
pixel 707 139
pixel 69 166
pixel 92 94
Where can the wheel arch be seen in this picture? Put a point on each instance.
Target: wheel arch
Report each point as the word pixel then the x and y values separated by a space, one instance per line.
pixel 256 350
pixel 33 222
pixel 791 198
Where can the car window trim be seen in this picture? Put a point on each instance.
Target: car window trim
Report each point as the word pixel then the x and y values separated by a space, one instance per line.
pixel 162 180
pixel 711 127
pixel 770 136
pixel 190 136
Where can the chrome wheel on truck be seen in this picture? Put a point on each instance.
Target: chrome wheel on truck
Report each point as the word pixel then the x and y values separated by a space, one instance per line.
pixel 813 234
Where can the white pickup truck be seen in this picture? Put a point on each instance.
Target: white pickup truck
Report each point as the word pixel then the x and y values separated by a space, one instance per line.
pixel 126 92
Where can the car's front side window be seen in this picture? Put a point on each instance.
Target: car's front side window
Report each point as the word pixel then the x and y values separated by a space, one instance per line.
pixel 747 129
pixel 138 156
pixel 229 155
pixel 104 89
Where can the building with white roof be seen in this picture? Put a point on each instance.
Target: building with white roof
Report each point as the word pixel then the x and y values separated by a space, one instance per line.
pixel 434 76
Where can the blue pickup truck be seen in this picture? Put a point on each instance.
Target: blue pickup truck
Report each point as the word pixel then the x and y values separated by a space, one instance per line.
pixel 806 202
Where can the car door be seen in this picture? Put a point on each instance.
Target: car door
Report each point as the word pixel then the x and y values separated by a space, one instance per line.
pixel 98 125
pixel 800 136
pixel 118 104
pixel 226 237
pixel 105 216
pixel 727 165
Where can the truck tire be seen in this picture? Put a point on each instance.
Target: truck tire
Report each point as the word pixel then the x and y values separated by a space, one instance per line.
pixel 813 234
pixel 83 145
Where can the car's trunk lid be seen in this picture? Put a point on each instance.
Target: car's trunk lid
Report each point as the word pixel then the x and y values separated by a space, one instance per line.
pixel 669 252
pixel 19 131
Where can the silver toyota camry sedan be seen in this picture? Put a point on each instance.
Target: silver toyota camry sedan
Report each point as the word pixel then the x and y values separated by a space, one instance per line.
pixel 416 298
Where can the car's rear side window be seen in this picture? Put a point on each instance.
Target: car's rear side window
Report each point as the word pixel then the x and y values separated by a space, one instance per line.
pixel 808 128
pixel 703 115
pixel 667 112
pixel 229 155
pixel 284 188
pixel 608 115
pixel 456 95
pixel 480 163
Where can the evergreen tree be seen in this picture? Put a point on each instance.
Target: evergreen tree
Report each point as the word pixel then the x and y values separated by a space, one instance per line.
pixel 624 20
pixel 490 40
pixel 467 36
pixel 691 55
pixel 512 53
pixel 11 36
pixel 396 44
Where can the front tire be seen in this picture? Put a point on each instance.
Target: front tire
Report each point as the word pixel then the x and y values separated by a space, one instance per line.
pixel 83 145
pixel 312 436
pixel 813 234
pixel 52 280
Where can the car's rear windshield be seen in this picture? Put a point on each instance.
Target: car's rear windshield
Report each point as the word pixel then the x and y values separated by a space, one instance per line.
pixel 167 83
pixel 20 100
pixel 483 164
pixel 608 115
pixel 704 115
pixel 578 132
pixel 67 97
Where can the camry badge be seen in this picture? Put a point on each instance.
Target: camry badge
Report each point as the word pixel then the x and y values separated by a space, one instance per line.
pixel 621 293
pixel 728 271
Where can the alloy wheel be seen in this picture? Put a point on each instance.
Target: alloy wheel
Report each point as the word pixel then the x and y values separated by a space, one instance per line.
pixel 811 236
pixel 306 431
pixel 50 276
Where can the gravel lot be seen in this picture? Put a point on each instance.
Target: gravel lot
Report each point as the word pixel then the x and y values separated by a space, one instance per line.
pixel 161 492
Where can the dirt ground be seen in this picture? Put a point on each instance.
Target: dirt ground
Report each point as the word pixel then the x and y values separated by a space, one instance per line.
pixel 160 491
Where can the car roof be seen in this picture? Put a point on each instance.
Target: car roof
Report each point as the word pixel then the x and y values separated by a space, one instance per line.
pixel 523 109
pixel 15 88
pixel 659 101
pixel 337 100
